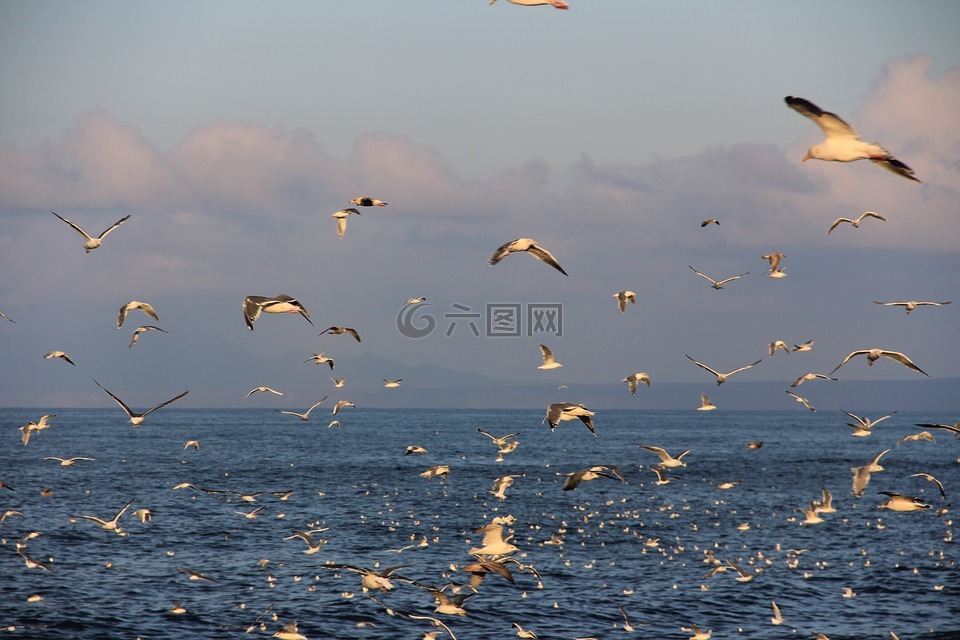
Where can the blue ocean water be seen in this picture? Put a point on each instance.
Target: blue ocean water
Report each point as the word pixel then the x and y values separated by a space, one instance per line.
pixel 635 544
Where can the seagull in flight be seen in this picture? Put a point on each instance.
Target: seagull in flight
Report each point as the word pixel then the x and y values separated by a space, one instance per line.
pixel 109 525
pixel 623 297
pixel 143 329
pixel 721 377
pixel 592 473
pixel 861 475
pixel 666 459
pixel 319 358
pixel 336 331
pixel 59 354
pixel 800 399
pixel 364 201
pixel 875 354
pixel 634 379
pixel 556 4
pixel 304 416
pixel 855 223
pixel 131 306
pixel 530 246
pixel 864 425
pixel 263 390
pixel 67 462
pixel 341 217
pixel 718 284
pixel 705 404
pixel 548 360
pixel 842 143
pixel 810 376
pixel 561 411
pixel 910 305
pixel 136 419
pixel 92 243
pixel 282 303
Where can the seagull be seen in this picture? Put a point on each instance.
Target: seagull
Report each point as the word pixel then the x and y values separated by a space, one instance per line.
pixel 313 546
pixel 875 354
pixel 842 143
pixel 548 361
pixel 494 544
pixel 923 435
pixel 531 247
pixel 143 329
pixel 778 344
pixel 774 260
pixel 417 300
pixel 336 331
pixel 501 484
pixel 392 384
pixel 800 399
pixel 777 618
pixel 901 502
pixel 954 429
pixel 662 479
pixel 109 525
pixel 341 217
pixel 806 346
pixel 623 297
pixel 910 305
pixel 441 470
pixel 59 354
pixel 282 303
pixel 319 358
pixel 191 443
pixel 861 475
pixel 810 376
pixel 341 404
pixel 364 201
pixel 525 633
pixel 864 425
pixel 28 429
pixel 263 390
pixel 304 416
pixel 196 575
pixel 634 379
pixel 811 515
pixel 131 306
pixel 710 221
pixel 289 632
pixel 705 404
pixel 825 505
pixel 6 317
pixel 722 377
pixel 718 284
pixel 136 419
pixel 67 462
pixel 414 448
pixel 667 460
pixel 251 515
pixel 561 411
pixel 338 382
pixel 856 223
pixel 556 4
pixel 698 633
pixel 930 478
pixel 92 243
pixel 592 473
pixel 33 563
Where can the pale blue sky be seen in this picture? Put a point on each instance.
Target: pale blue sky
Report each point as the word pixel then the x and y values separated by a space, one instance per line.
pixel 232 130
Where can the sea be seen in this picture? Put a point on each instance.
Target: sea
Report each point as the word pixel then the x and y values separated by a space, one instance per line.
pixel 661 553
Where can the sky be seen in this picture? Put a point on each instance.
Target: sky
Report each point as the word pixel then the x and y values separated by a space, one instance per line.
pixel 231 131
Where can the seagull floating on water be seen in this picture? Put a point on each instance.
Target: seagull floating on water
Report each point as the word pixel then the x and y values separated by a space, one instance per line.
pixel 842 143
pixel 855 223
pixel 282 303
pixel 92 243
pixel 530 246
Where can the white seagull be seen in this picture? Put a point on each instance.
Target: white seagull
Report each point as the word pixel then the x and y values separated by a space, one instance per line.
pixel 132 305
pixel 634 379
pixel 721 377
pixel 810 376
pixel 365 201
pixel 561 411
pixel 855 223
pixel 67 462
pixel 910 305
pixel 319 358
pixel 531 247
pixel 136 419
pixel 705 404
pixel 901 502
pixel 623 297
pixel 548 361
pixel 341 217
pixel 143 329
pixel 336 331
pixel 392 384
pixel 282 303
pixel 842 143
pixel 861 475
pixel 262 390
pixel 666 459
pixel 92 243
pixel 59 354
pixel 864 425
pixel 718 284
pixel 109 525
pixel 800 399
pixel 875 354
pixel 304 416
